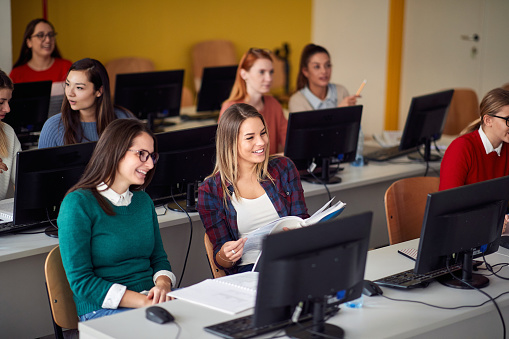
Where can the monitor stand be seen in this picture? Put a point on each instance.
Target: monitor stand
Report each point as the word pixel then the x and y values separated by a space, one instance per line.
pixel 476 280
pixel 315 328
pixel 428 157
pixel 189 204
pixel 325 178
pixel 51 231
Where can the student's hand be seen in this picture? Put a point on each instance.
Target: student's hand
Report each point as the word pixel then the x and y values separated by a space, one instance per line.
pixel 157 294
pixel 232 250
pixel 506 221
pixel 3 167
pixel 349 101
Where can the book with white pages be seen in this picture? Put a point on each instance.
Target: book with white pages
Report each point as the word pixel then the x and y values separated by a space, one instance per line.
pixel 255 238
pixel 231 294
pixel 6 210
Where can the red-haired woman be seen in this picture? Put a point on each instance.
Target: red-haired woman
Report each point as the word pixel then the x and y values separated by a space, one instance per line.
pixel 252 83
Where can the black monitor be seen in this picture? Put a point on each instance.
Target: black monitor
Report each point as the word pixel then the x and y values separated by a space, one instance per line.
pixel 321 135
pixel 29 108
pixel 150 95
pixel 216 85
pixel 460 224
pixel 186 157
pixel 425 122
pixel 312 265
pixel 43 177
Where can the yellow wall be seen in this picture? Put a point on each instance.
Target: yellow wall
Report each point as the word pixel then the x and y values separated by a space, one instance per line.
pixel 165 30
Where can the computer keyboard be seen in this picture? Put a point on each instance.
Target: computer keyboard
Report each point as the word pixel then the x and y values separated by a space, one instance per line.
pixel 410 279
pixel 389 153
pixel 243 327
pixel 9 227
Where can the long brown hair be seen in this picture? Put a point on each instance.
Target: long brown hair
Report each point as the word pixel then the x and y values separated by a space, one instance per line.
pixel 104 114
pixel 5 83
pixel 239 89
pixel 308 51
pixel 26 53
pixel 112 146
pixel 491 104
pixel 227 137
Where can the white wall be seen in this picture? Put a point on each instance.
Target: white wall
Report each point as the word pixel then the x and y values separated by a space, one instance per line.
pixel 355 34
pixel 5 36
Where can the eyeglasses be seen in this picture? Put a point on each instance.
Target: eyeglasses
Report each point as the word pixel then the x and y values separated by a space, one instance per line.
pixel 41 36
pixel 506 119
pixel 144 154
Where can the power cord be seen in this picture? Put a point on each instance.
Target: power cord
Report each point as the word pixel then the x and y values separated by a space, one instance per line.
pixel 477 289
pixel 190 237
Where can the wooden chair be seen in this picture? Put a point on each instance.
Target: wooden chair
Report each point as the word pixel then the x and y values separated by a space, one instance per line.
pixel 216 271
pixel 187 98
pixel 126 65
pixel 463 110
pixel 63 308
pixel 405 202
pixel 211 53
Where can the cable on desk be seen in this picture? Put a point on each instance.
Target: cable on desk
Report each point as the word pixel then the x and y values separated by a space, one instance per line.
pixel 190 236
pixel 480 291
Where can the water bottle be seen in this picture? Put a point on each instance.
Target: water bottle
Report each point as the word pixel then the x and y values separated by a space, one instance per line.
pixel 359 158
pixel 357 303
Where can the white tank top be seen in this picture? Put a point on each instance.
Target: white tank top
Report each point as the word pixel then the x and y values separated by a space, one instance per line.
pixel 251 215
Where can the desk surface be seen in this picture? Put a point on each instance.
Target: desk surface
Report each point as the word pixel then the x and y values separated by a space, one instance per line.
pixel 379 318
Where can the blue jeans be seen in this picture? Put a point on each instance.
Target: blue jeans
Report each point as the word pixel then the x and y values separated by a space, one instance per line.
pixel 102 312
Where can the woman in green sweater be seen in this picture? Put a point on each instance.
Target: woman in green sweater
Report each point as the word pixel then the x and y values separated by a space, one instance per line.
pixel 110 243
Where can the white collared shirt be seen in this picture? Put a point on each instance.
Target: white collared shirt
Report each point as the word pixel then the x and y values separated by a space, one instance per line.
pixel 117 291
pixel 488 147
pixel 330 101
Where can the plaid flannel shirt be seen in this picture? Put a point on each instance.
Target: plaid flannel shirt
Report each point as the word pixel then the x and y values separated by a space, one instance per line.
pixel 220 221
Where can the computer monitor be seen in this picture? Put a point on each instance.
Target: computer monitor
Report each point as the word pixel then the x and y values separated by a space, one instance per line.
pixel 321 135
pixel 425 122
pixel 186 157
pixel 43 177
pixel 150 95
pixel 29 108
pixel 311 265
pixel 460 224
pixel 216 85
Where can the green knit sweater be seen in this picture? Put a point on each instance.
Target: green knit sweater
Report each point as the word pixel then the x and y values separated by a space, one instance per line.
pixel 99 250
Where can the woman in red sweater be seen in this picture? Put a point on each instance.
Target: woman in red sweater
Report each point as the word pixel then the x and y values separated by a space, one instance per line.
pixel 482 153
pixel 252 83
pixel 39 58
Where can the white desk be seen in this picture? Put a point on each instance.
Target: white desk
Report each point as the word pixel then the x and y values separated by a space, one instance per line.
pixel 22 256
pixel 379 318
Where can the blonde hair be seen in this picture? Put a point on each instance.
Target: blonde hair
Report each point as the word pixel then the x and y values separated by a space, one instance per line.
pixel 5 83
pixel 491 104
pixel 239 89
pixel 227 147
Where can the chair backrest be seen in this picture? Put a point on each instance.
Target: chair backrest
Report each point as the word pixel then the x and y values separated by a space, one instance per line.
pixel 187 98
pixel 211 53
pixel 463 110
pixel 405 203
pixel 62 304
pixel 126 65
pixel 216 271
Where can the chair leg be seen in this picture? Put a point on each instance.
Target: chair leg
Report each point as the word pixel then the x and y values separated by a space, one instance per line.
pixel 59 334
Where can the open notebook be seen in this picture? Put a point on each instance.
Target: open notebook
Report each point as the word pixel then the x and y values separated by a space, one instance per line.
pixel 6 210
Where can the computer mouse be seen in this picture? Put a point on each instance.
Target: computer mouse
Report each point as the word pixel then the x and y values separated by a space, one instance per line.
pixel 158 315
pixel 371 289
